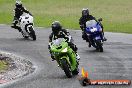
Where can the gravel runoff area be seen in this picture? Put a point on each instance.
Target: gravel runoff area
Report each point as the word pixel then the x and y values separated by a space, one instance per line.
pixel 17 67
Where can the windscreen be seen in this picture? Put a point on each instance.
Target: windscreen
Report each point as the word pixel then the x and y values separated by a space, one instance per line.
pixel 58 41
pixel 91 23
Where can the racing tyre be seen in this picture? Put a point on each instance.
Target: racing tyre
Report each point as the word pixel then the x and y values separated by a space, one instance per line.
pixel 99 46
pixel 32 33
pixel 76 71
pixel 66 68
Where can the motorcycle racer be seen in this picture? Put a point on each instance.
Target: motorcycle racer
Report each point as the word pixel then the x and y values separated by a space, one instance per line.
pixel 19 9
pixel 58 32
pixel 82 21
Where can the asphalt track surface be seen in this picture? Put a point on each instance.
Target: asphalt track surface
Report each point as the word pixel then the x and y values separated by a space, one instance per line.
pixel 114 63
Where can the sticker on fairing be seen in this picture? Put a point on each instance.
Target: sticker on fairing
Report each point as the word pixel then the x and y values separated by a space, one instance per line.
pixel 98 37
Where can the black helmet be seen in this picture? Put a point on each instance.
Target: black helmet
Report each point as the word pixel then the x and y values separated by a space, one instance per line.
pixel 18 4
pixel 85 12
pixel 56 27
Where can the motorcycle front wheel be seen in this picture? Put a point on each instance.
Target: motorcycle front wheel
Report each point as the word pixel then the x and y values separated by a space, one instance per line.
pixel 76 71
pixel 32 33
pixel 66 68
pixel 99 46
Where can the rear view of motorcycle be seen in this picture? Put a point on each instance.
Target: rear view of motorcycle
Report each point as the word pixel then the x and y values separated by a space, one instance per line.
pixel 94 34
pixel 26 26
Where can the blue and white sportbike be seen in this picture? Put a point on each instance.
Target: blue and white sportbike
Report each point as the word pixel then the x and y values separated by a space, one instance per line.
pixel 94 34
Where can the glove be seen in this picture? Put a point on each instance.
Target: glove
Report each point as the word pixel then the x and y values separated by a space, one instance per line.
pixel 49 45
pixel 82 27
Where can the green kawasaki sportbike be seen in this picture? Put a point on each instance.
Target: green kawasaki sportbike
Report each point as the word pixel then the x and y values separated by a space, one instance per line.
pixel 65 56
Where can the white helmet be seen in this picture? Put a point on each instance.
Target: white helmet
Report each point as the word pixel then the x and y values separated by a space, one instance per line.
pixel 18 3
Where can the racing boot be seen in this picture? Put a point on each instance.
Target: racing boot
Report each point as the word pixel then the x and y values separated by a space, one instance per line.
pixel 89 45
pixel 77 58
pixel 52 58
pixel 19 29
pixel 104 39
pixel 84 37
pixel 16 27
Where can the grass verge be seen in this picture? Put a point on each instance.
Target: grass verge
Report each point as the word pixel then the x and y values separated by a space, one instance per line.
pixel 116 14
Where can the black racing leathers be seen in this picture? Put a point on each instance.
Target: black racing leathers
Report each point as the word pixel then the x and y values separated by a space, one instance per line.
pixel 63 33
pixel 19 12
pixel 82 22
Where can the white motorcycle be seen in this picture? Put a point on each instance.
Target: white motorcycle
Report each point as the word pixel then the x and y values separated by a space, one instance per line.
pixel 26 25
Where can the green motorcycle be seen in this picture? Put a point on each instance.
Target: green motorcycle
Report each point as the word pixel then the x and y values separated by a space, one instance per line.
pixel 65 56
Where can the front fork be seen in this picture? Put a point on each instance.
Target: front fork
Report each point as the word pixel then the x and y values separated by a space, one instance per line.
pixel 28 28
pixel 63 57
pixel 98 43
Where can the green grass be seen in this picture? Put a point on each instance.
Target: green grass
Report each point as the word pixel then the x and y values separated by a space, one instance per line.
pixel 3 65
pixel 116 14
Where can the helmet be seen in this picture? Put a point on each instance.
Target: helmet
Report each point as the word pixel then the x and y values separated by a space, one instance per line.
pixel 18 4
pixel 85 12
pixel 56 27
